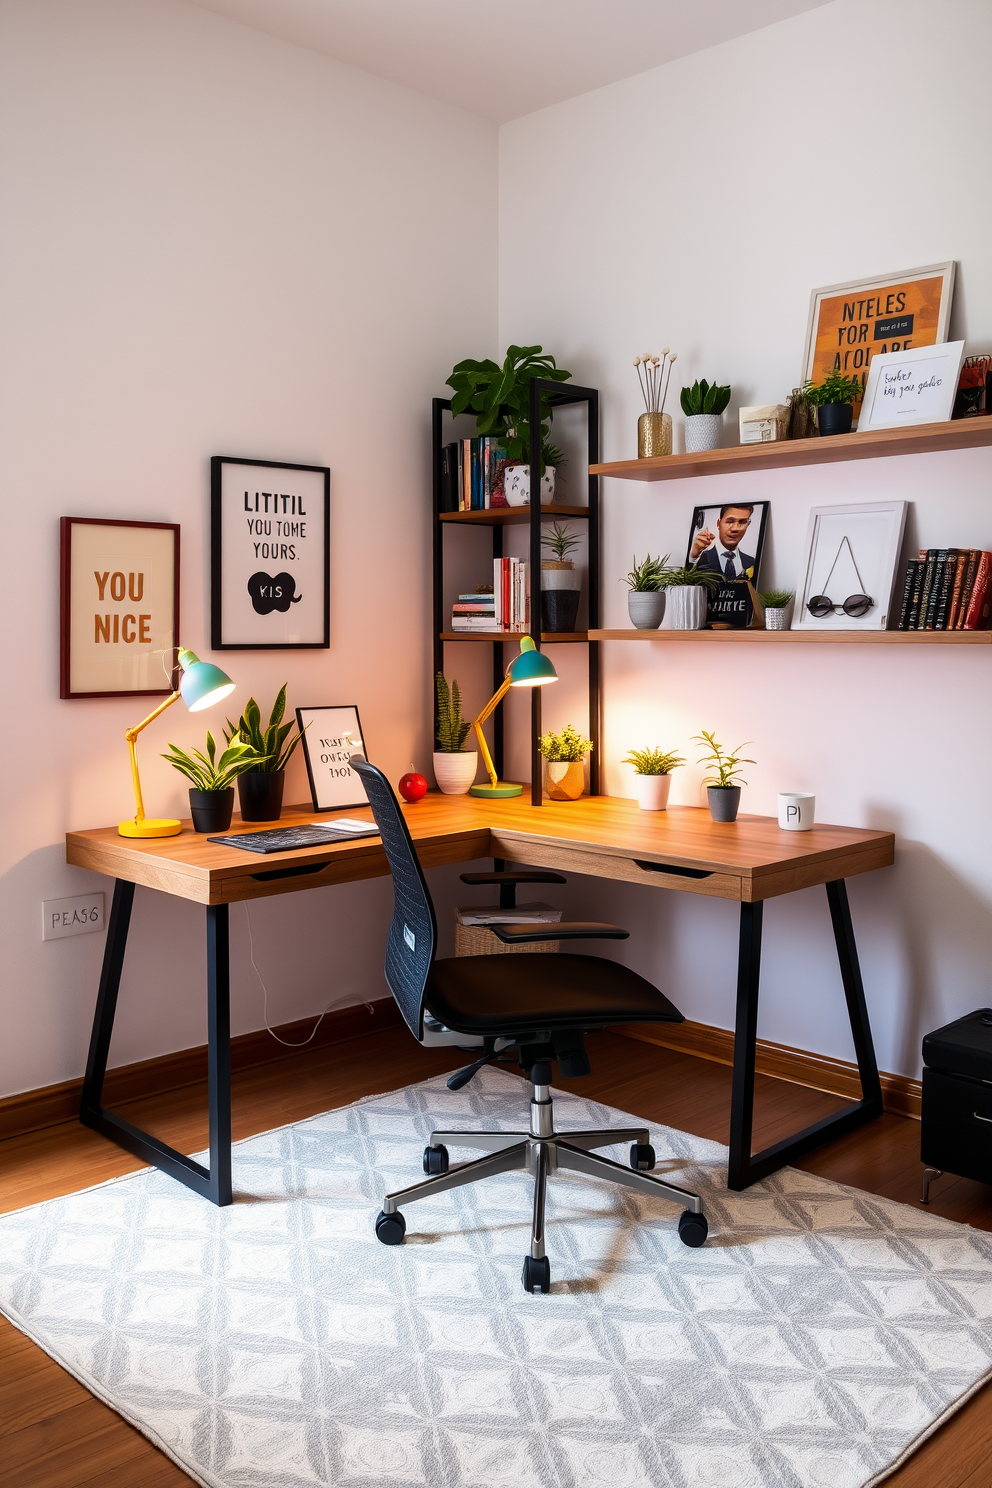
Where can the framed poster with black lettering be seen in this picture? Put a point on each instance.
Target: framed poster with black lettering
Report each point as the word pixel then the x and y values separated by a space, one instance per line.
pixel 270 555
pixel 728 540
pixel 119 607
pixel 331 735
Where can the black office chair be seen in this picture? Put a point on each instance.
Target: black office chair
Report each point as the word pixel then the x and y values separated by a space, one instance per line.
pixel 539 1005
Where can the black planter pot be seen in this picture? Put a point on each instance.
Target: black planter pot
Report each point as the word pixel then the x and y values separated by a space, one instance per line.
pixel 834 418
pixel 260 795
pixel 559 609
pixel 724 802
pixel 212 810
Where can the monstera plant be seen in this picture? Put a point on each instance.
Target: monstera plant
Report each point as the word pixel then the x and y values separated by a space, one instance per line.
pixel 499 396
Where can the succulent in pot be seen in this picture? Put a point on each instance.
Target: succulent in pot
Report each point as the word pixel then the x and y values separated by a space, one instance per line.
pixel 723 788
pixel 454 765
pixel 559 581
pixel 211 796
pixel 646 600
pixel 564 752
pixel 260 788
pixel 776 604
pixel 832 398
pixel 687 589
pixel 703 405
pixel 499 396
pixel 653 775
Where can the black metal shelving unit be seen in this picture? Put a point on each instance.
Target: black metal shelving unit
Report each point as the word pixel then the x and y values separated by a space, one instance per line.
pixel 534 515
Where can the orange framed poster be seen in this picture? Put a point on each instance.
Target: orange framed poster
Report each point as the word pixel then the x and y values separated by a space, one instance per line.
pixel 851 323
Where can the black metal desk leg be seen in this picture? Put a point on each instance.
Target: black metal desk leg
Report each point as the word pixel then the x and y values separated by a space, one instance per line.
pixel 744 1169
pixel 106 1001
pixel 219 1052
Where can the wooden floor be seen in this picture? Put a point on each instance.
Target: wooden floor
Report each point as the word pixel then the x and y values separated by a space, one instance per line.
pixel 56 1435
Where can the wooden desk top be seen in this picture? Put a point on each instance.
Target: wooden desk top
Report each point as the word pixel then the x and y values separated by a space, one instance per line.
pixel 605 836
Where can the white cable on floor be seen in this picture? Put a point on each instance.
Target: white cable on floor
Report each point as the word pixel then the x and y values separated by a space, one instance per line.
pixel 265 996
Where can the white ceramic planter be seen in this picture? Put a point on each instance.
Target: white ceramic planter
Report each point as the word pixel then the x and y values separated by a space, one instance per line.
pixel 652 791
pixel 646 608
pixel 454 773
pixel 687 606
pixel 702 431
pixel 779 619
pixel 516 485
pixel 563 575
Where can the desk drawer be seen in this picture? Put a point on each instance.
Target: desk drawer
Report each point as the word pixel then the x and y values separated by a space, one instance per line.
pixel 956 1133
pixel 607 865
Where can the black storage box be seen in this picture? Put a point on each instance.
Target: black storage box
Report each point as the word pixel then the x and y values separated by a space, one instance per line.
pixel 956 1132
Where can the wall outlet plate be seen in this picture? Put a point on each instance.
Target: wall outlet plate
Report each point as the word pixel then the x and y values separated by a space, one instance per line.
pixel 79 915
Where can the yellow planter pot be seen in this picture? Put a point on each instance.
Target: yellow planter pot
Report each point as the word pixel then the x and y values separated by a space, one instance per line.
pixel 565 780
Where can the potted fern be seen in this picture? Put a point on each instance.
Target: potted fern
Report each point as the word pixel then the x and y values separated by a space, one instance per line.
pixel 260 788
pixel 499 396
pixel 565 752
pixel 646 600
pixel 687 589
pixel 723 789
pixel 454 765
pixel 653 776
pixel 559 581
pixel 703 405
pixel 211 797
pixel 832 398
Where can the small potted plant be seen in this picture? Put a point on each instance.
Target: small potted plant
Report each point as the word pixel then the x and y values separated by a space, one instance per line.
pixel 565 752
pixel 832 398
pixel 653 776
pixel 646 600
pixel 260 788
pixel 211 797
pixel 687 589
pixel 499 396
pixel 722 788
pixel 703 405
pixel 559 581
pixel 776 603
pixel 454 765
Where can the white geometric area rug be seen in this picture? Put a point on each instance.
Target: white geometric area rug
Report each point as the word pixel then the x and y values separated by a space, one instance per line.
pixel 813 1342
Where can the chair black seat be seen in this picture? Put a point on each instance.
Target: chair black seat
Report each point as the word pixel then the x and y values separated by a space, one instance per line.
pixel 499 994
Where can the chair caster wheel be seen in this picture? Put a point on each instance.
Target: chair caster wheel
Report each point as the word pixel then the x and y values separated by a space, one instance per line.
pixel 536 1275
pixel 390 1228
pixel 693 1228
pixel 642 1158
pixel 435 1161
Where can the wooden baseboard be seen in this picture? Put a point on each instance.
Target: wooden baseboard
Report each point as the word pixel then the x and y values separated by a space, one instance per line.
pixel 900 1094
pixel 32 1110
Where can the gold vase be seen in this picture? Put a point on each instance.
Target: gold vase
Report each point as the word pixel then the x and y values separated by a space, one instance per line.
pixel 654 435
pixel 565 780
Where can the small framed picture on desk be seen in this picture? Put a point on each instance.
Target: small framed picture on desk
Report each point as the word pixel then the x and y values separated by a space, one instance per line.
pixel 331 735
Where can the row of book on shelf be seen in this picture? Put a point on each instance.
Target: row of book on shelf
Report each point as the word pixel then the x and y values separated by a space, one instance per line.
pixel 505 607
pixel 472 475
pixel 947 589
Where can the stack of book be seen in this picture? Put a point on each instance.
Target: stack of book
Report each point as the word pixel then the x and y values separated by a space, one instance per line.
pixel 512 593
pixel 472 475
pixel 947 589
pixel 473 612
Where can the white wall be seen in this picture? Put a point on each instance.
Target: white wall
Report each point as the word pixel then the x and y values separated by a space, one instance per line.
pixel 696 206
pixel 214 242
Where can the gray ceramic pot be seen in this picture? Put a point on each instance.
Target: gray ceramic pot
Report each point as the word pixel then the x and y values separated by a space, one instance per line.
pixel 646 608
pixel 724 802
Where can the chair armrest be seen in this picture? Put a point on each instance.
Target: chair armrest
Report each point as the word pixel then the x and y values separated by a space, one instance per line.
pixel 525 876
pixel 518 934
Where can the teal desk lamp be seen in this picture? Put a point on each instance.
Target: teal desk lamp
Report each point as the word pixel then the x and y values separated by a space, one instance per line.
pixel 202 685
pixel 531 668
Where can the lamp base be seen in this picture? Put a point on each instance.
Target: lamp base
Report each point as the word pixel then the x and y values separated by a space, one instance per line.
pixel 496 792
pixel 150 826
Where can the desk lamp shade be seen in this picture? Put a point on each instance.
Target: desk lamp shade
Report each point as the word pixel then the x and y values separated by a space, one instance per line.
pixel 202 685
pixel 528 669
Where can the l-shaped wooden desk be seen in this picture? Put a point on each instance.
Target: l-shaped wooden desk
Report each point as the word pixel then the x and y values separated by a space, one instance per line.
pixel 681 849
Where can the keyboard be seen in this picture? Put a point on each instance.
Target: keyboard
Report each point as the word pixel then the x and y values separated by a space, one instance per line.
pixel 310 834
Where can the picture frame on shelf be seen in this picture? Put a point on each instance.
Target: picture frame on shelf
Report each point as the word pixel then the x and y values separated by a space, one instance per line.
pixel 119 607
pixel 730 533
pixel 850 555
pixel 270 555
pixel 850 324
pixel 331 735
pixel 918 386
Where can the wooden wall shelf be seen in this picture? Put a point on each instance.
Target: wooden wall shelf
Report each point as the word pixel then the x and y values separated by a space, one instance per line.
pixel 801 637
pixel 503 516
pixel 548 638
pixel 924 439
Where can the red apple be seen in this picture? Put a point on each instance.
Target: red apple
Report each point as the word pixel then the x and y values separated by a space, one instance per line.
pixel 412 786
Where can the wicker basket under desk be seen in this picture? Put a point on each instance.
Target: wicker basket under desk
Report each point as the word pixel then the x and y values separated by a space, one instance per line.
pixel 479 940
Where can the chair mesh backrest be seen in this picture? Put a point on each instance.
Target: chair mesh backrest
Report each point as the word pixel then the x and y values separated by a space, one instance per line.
pixel 413 932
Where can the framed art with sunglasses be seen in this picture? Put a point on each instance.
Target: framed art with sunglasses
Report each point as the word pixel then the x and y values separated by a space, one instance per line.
pixel 849 566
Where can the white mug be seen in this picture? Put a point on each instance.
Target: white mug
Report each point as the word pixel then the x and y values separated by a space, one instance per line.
pixel 795 811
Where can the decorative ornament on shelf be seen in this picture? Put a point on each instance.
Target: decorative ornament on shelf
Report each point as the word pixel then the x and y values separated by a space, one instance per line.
pixel 723 790
pixel 564 753
pixel 777 603
pixel 654 427
pixel 454 765
pixel 652 776
pixel 703 405
pixel 559 581
pixel 412 786
pixel 646 600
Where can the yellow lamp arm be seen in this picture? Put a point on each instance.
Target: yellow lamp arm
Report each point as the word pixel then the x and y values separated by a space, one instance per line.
pixel 490 707
pixel 131 735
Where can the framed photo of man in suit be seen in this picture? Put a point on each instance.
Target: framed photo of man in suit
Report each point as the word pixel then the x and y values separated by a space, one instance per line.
pixel 728 540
